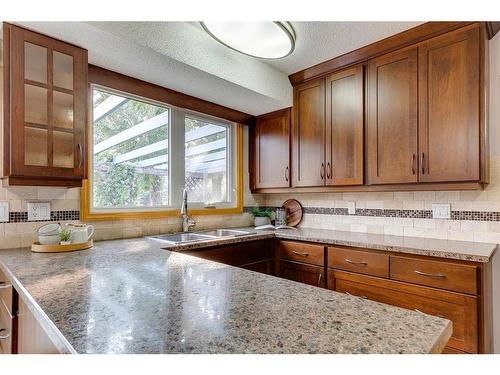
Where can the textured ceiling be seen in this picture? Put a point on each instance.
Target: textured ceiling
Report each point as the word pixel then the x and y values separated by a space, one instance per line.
pixel 320 41
pixel 181 56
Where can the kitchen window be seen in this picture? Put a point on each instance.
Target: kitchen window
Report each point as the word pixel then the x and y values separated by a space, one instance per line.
pixel 143 154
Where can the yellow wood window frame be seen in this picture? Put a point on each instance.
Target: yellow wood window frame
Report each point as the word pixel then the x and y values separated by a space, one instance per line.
pixel 86 213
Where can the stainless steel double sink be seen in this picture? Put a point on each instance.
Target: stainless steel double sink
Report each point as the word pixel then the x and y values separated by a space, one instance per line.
pixel 180 238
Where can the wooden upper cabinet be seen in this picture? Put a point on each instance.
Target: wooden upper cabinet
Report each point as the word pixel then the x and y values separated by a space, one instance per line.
pixel 392 118
pixel 449 112
pixel 344 127
pixel 308 137
pixel 46 109
pixel 271 150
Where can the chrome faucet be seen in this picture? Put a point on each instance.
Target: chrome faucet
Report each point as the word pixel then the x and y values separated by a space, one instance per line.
pixel 187 222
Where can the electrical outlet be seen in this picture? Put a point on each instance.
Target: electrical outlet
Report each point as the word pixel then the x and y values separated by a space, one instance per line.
pixel 38 211
pixel 4 212
pixel 441 211
pixel 351 208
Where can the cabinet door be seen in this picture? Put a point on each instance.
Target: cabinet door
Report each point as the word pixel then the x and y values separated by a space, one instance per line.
pixel 392 118
pixel 271 167
pixel 449 89
pixel 344 127
pixel 461 309
pixel 48 106
pixel 308 137
pixel 303 273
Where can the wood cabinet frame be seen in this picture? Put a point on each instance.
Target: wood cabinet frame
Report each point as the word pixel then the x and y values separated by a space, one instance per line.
pixel 14 167
pixel 414 39
pixel 278 121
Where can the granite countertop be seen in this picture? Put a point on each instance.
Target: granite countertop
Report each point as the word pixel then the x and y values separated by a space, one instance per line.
pixel 131 296
pixel 470 251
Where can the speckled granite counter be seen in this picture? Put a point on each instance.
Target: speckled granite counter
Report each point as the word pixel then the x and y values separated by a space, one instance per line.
pixel 130 296
pixel 471 251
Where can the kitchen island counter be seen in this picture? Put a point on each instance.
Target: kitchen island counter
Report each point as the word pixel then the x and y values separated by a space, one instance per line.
pixel 131 296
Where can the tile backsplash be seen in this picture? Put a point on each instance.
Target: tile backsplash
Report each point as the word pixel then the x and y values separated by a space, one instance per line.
pixel 65 207
pixel 475 215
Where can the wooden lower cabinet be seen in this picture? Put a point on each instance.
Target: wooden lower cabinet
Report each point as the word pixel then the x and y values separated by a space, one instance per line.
pixel 263 266
pixel 303 273
pixel 255 255
pixel 6 331
pixel 460 308
pixel 31 337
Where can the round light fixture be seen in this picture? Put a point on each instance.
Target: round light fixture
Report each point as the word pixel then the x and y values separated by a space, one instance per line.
pixel 265 40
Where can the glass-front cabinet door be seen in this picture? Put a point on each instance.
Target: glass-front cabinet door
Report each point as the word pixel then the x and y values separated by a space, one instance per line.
pixel 48 95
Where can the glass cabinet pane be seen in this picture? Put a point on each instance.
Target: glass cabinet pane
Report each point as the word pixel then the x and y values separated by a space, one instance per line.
pixel 62 110
pixel 35 63
pixel 63 70
pixel 35 146
pixel 63 148
pixel 35 104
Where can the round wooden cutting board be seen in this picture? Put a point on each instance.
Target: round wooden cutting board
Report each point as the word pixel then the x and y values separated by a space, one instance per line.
pixel 294 212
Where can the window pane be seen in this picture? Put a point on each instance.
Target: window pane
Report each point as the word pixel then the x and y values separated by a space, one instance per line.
pixel 206 164
pixel 130 153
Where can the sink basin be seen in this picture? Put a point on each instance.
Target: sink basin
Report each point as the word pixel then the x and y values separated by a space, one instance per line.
pixel 179 238
pixel 219 233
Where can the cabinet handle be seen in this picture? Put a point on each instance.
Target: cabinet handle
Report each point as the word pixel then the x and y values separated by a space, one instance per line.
pixel 4 285
pixel 356 263
pixel 322 172
pixel 362 297
pixel 301 254
pixel 80 155
pixel 319 278
pixel 423 166
pixel 328 170
pixel 286 174
pixel 433 275
pixel 4 337
pixel 413 158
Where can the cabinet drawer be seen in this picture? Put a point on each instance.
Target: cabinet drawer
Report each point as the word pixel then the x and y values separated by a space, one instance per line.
pixel 5 292
pixel 302 252
pixel 444 275
pixel 302 273
pixel 5 330
pixel 360 261
pixel 461 309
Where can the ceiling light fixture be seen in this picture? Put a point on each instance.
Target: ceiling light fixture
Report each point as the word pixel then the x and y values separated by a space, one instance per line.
pixel 265 40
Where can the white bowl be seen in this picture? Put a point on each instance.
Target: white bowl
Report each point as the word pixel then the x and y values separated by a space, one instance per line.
pixel 51 239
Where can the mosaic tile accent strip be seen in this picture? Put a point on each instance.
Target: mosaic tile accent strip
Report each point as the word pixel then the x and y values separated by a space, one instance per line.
pixel 22 217
pixel 411 214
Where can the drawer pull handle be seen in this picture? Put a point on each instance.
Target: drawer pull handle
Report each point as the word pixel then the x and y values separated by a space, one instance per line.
pixel 433 275
pixel 356 263
pixel 4 337
pixel 362 297
pixel 319 279
pixel 4 285
pixel 301 254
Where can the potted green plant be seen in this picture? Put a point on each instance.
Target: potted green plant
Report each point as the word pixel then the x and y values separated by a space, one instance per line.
pixel 65 237
pixel 262 217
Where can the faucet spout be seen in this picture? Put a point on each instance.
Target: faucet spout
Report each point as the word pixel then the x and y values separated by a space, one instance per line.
pixel 187 222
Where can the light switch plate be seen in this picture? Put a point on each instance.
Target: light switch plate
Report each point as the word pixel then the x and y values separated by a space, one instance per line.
pixel 351 208
pixel 441 211
pixel 4 212
pixel 38 211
